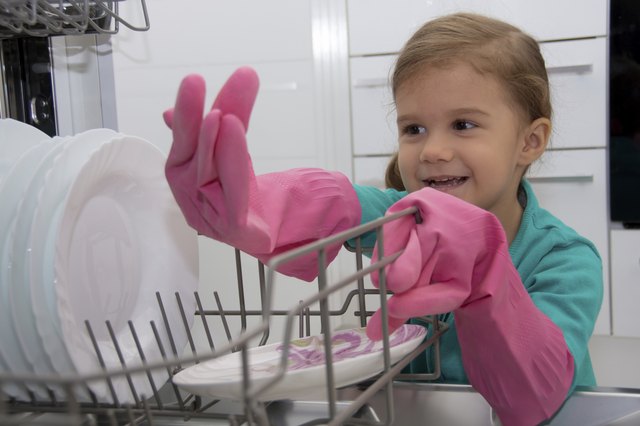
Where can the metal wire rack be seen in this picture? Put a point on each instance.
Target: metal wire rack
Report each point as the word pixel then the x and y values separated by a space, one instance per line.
pixel 43 18
pixel 168 404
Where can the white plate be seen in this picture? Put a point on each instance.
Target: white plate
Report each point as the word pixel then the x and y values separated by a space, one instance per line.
pixel 16 137
pixel 18 288
pixel 24 242
pixel 50 198
pixel 121 238
pixel 355 358
pixel 11 193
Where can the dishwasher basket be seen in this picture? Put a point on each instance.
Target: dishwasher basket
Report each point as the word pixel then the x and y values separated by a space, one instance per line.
pixel 168 404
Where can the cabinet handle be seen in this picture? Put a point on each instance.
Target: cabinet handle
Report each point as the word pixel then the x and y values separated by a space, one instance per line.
pixel 577 69
pixel 560 178
pixel 282 87
pixel 370 82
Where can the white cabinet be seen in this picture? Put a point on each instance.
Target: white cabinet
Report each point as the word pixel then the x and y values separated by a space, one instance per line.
pixel 373 117
pixel 625 282
pixel 577 72
pixel 370 171
pixel 383 26
pixel 572 185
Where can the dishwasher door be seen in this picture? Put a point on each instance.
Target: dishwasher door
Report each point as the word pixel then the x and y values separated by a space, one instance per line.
pixel 426 404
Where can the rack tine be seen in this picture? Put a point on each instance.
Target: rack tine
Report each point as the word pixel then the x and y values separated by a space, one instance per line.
pixel 264 304
pixel 119 19
pixel 166 324
pixel 122 362
pixel 361 296
pixel 203 317
pixel 52 396
pixel 144 361
pixel 164 357
pixel 324 320
pixel 223 317
pixel 244 354
pixel 111 417
pixel 72 403
pixel 241 299
pixel 132 420
pixel 3 402
pixel 94 342
pixel 308 318
pixel 301 322
pixel 92 395
pixel 147 412
pixel 382 282
pixel 185 322
pixel 261 413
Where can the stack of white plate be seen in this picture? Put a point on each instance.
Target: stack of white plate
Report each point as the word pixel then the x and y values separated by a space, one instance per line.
pixel 90 231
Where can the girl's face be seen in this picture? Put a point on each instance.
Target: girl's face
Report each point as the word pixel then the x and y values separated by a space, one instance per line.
pixel 459 133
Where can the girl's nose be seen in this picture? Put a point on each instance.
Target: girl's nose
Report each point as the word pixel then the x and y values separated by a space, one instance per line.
pixel 436 149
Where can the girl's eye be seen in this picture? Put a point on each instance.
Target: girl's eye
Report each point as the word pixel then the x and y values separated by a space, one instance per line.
pixel 463 125
pixel 414 129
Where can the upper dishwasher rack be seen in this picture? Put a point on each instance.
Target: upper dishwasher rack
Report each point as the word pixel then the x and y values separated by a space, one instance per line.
pixel 43 18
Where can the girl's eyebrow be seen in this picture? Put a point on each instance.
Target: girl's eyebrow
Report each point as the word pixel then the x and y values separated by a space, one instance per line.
pixel 453 112
pixel 469 110
pixel 406 117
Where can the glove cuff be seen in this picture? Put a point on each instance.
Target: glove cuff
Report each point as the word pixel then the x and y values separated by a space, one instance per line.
pixel 515 356
pixel 306 205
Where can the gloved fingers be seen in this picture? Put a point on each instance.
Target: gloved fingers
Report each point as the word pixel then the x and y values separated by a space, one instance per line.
pixel 167 116
pixel 186 120
pixel 374 326
pixel 206 166
pixel 432 299
pixel 238 94
pixel 397 235
pixel 405 271
pixel 234 168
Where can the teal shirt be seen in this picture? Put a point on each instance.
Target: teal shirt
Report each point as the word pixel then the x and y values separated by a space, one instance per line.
pixel 561 271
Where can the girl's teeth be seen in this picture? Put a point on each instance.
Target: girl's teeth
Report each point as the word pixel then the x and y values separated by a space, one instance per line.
pixel 445 182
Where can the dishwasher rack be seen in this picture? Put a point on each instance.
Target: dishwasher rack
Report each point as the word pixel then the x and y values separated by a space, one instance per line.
pixel 167 402
pixel 44 18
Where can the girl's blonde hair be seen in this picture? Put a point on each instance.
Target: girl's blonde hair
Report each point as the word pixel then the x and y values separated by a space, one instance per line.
pixel 491 47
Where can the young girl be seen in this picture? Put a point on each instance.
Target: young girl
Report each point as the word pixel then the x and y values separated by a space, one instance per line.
pixel 519 289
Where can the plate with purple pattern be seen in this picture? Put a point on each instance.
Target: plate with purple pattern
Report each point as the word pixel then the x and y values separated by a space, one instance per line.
pixel 355 358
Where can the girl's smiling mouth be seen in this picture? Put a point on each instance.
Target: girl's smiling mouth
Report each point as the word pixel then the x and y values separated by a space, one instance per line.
pixel 445 182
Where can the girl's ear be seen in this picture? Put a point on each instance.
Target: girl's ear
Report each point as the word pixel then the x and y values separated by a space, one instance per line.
pixel 536 138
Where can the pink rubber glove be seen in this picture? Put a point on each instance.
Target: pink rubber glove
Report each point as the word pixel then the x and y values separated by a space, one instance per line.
pixel 457 260
pixel 211 176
